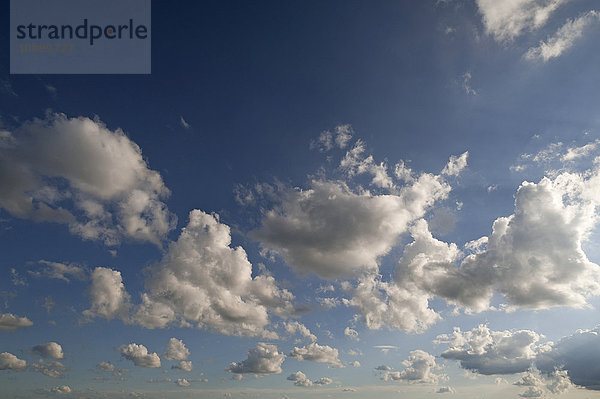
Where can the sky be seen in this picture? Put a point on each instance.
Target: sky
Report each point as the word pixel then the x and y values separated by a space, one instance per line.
pixel 310 199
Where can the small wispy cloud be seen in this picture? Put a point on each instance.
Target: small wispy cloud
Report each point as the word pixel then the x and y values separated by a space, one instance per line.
pixel 184 123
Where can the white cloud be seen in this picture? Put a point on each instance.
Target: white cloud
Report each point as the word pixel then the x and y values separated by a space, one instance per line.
pixel 77 171
pixel 354 363
pixel 184 123
pixel 583 151
pixel 60 271
pixel 445 390
pixel 54 369
pixel 532 392
pixel 61 390
pixel 323 381
pixel 466 84
pixel 203 280
pixel 300 379
pixel 505 20
pixel 108 295
pixel 182 382
pixel 184 366
pixel 456 164
pixel 490 352
pixel 351 333
pixel 50 350
pixel 317 353
pixel 176 350
pixel 383 367
pixel 8 361
pixel 420 367
pixel 340 137
pixel 294 327
pixel 139 355
pixel 563 39
pixel 264 359
pixel 11 322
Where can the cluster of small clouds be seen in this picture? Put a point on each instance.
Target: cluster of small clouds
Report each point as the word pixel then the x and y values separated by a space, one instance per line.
pixel 420 368
pixel 507 20
pixel 301 380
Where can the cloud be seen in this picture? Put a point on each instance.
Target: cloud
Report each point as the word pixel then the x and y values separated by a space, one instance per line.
pixel 340 137
pixel 61 390
pixel 420 367
pixel 183 366
pixel 50 350
pixel 354 363
pixel 176 350
pixel 576 355
pixel 8 361
pixel 456 164
pixel 533 257
pixel 301 380
pixel 336 228
pixel 60 271
pixel 445 390
pixel 108 295
pixel 182 382
pixel 351 333
pixel 532 392
pixel 488 352
pixel 264 359
pixel 78 172
pixel 317 353
pixel 294 327
pixel 139 355
pixel 583 151
pixel 505 20
pixel 383 368
pixel 54 369
pixel 111 368
pixel 563 39
pixel 203 280
pixel 11 322
pixel 183 123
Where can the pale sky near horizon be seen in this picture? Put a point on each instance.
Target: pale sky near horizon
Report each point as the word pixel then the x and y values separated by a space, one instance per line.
pixel 310 199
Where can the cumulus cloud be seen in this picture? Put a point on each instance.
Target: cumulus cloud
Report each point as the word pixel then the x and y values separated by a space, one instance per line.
pixel 445 390
pixel 184 366
pixel 490 352
pixel 79 172
pixel 351 333
pixel 457 163
pixel 300 379
pixel 60 271
pixel 576 355
pixel 336 228
pixel 203 280
pixel 108 295
pixel 61 390
pixel 50 350
pixel 533 257
pixel 176 350
pixel 317 353
pixel 139 355
pixel 563 39
pixel 354 363
pixel 54 369
pixel 182 382
pixel 505 20
pixel 8 361
pixel 264 359
pixel 294 327
pixel 420 367
pixel 11 322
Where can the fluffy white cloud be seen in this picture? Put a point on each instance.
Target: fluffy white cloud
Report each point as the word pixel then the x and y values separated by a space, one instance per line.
pixel 79 172
pixel 354 363
pixel 108 295
pixel 505 20
pixel 50 350
pixel 563 39
pixel 420 367
pixel 11 322
pixel 491 352
pixel 317 353
pixel 184 366
pixel 139 355
pixel 176 350
pixel 54 369
pixel 60 271
pixel 300 379
pixel 203 280
pixel 61 390
pixel 336 228
pixel 457 163
pixel 182 382
pixel 534 257
pixel 294 327
pixel 8 361
pixel 576 355
pixel 264 359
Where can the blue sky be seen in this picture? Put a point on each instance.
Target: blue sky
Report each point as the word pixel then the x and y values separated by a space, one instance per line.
pixel 310 199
